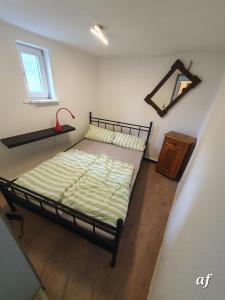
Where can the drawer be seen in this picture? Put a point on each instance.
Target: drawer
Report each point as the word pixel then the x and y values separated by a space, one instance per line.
pixel 175 143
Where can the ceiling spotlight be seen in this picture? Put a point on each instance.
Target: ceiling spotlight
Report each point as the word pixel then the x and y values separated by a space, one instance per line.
pixel 97 31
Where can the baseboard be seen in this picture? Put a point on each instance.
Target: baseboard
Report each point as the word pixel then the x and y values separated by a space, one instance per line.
pixel 153 279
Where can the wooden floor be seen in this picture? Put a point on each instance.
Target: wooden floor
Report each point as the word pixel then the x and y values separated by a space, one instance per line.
pixel 73 269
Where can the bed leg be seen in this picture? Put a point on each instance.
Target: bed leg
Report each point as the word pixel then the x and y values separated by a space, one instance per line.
pixel 119 229
pixel 12 207
pixel 7 198
pixel 113 261
pixel 90 117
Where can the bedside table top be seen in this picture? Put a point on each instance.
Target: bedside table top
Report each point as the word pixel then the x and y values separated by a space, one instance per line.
pixel 181 137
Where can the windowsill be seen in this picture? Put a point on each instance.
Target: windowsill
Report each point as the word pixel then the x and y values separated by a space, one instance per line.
pixel 41 101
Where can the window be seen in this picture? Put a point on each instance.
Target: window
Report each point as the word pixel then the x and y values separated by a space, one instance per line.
pixel 37 73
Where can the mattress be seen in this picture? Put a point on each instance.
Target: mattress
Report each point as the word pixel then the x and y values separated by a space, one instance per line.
pixel 114 152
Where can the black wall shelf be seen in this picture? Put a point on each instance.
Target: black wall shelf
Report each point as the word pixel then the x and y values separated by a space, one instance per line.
pixel 31 137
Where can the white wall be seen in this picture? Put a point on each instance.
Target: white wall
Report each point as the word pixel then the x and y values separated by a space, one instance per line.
pixel 17 277
pixel 194 241
pixel 123 83
pixel 111 87
pixel 74 77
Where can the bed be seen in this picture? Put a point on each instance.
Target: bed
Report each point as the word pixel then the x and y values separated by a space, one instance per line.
pixel 99 231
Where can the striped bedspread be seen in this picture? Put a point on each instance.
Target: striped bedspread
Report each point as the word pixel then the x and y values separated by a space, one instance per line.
pixel 92 184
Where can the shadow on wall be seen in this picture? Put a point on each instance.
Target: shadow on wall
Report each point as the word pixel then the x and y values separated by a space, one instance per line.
pixel 15 161
pixel 153 151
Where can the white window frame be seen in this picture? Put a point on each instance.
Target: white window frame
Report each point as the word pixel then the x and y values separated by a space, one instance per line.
pixel 45 69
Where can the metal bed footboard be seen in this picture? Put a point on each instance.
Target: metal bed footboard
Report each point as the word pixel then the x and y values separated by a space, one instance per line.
pixel 68 217
pixel 64 215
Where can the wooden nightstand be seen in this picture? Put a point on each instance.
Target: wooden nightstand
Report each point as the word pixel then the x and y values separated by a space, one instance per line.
pixel 175 154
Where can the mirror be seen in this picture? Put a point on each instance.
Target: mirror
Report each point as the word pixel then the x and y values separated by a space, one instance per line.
pixel 176 83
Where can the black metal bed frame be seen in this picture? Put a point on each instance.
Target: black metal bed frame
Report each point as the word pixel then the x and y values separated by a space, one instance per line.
pixel 26 198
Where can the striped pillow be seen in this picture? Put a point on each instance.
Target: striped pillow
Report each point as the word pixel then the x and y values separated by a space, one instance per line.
pixel 129 141
pixel 100 134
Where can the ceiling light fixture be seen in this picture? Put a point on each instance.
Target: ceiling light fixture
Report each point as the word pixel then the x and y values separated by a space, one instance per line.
pixel 97 31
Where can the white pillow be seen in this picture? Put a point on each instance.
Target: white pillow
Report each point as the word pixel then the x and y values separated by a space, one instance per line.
pixel 100 134
pixel 129 141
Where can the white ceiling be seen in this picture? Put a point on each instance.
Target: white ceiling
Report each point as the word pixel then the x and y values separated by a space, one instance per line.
pixel 153 27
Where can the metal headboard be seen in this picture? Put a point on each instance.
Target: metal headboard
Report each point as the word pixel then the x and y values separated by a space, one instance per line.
pixel 122 127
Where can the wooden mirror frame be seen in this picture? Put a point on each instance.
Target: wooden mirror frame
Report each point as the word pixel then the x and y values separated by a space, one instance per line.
pixel 178 65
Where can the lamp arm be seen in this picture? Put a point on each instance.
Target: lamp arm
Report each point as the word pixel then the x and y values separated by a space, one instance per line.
pixel 64 109
pixel 58 127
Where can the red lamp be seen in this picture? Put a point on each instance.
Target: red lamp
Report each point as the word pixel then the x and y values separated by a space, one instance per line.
pixel 58 126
